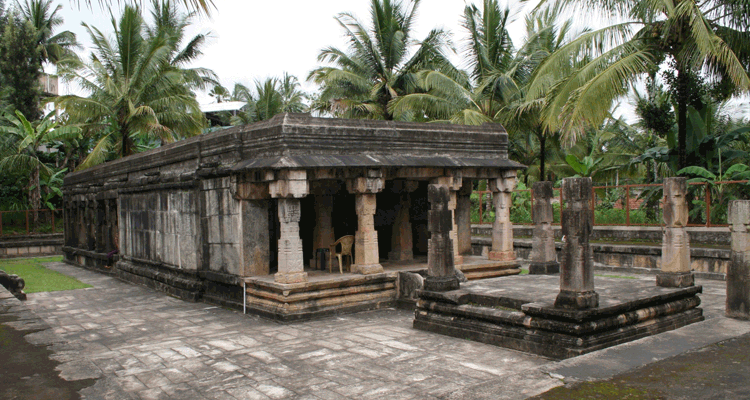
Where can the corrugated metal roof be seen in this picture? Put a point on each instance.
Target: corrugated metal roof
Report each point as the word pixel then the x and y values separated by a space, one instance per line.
pixel 343 161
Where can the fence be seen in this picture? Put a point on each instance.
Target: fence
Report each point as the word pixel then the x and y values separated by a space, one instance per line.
pixel 22 222
pixel 625 205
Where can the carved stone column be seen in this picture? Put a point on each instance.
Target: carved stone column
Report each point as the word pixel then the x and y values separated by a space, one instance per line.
pixel 738 271
pixel 543 253
pixel 289 188
pixel 454 182
pixel 577 267
pixel 401 235
pixel 675 247
pixel 502 228
pixel 463 218
pixel 441 272
pixel 366 252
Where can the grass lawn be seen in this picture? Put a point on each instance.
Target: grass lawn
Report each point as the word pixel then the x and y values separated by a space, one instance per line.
pixel 37 277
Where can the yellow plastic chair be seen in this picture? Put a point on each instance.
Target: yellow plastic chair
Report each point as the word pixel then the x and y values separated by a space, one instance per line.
pixel 346 243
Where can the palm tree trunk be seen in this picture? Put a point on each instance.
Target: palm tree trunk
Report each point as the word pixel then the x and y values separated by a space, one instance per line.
pixel 542 156
pixel 682 100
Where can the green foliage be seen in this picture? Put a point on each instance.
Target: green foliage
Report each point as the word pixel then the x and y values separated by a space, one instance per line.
pixel 53 47
pixel 20 67
pixel 25 158
pixel 585 167
pixel 272 96
pixel 378 65
pixel 140 89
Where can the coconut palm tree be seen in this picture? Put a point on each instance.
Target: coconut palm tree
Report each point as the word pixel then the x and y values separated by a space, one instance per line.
pixel 697 38
pixel 53 47
pixel 272 96
pixel 474 98
pixel 378 66
pixel 137 92
pixel 544 35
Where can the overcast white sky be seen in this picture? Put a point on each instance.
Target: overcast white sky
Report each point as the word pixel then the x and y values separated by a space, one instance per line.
pixel 254 39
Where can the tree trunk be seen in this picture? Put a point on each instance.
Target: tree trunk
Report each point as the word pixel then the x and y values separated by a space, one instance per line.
pixel 682 100
pixel 35 195
pixel 542 156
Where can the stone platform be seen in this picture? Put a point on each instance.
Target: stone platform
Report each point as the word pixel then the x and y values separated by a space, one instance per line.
pixel 331 293
pixel 517 312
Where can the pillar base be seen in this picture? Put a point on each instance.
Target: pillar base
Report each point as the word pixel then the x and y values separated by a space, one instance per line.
pixel 544 268
pixel 367 269
pixel 441 283
pixel 293 277
pixel 577 300
pixel 502 255
pixel 675 279
pixel 404 255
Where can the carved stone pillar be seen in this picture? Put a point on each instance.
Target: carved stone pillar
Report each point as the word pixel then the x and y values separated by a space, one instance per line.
pixel 463 218
pixel 577 267
pixel 441 273
pixel 366 253
pixel 675 247
pixel 738 271
pixel 543 253
pixel 454 182
pixel 502 228
pixel 290 186
pixel 401 238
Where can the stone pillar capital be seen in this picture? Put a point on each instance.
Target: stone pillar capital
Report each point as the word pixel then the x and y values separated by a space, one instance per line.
pixel 372 183
pixel 453 180
pixel 290 184
pixel 505 183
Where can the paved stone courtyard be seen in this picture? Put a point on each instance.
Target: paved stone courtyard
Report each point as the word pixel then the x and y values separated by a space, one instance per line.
pixel 142 344
pixel 149 345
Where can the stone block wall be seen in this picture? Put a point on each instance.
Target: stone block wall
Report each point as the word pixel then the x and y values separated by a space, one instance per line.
pixel 160 226
pixel 221 217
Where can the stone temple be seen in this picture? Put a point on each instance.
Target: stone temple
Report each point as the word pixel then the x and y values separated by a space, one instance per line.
pixel 247 215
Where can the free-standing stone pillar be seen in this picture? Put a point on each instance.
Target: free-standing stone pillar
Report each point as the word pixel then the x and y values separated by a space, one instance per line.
pixel 366 252
pixel 401 235
pixel 543 253
pixel 502 228
pixel 738 271
pixel 441 274
pixel 577 267
pixel 289 188
pixel 675 247
pixel 463 218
